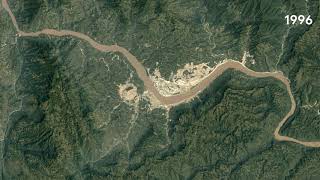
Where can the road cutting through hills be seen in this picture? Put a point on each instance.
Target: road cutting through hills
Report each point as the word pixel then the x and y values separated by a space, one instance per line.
pixel 170 101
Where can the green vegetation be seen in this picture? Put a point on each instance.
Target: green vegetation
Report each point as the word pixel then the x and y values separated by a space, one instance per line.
pixel 303 68
pixel 172 32
pixel 61 116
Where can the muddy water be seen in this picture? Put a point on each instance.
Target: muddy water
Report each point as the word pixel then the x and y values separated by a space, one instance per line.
pixel 176 99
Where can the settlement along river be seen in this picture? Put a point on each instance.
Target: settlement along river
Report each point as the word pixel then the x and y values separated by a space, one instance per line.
pixel 175 99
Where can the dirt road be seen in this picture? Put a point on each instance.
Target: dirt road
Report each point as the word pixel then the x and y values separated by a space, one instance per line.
pixel 176 99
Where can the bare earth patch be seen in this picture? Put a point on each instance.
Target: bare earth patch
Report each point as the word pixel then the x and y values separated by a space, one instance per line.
pixel 128 92
pixel 183 80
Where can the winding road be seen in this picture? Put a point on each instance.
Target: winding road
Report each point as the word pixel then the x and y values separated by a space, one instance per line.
pixel 176 99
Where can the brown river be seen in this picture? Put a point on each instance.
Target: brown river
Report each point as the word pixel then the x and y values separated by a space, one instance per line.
pixel 180 98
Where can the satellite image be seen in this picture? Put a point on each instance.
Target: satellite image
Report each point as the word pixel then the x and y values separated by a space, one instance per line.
pixel 159 89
